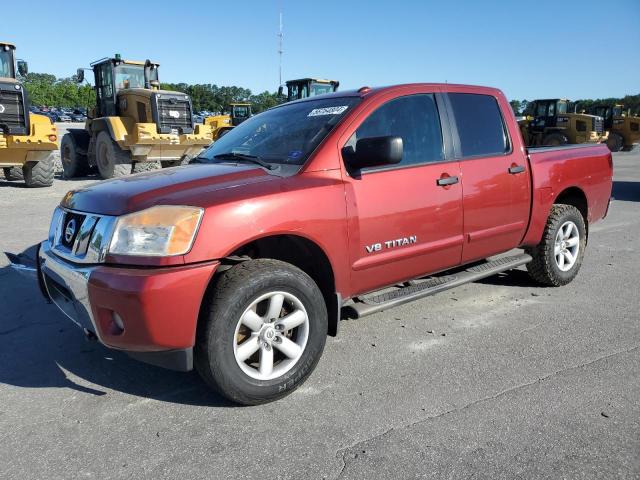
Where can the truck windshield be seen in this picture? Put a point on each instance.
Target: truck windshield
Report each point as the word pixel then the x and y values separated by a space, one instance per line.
pixel 283 135
pixel 6 64
pixel 132 76
pixel 321 88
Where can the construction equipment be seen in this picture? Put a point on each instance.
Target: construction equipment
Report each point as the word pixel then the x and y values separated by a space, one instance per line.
pixel 27 141
pixel 238 112
pixel 623 128
pixel 134 126
pixel 308 87
pixel 549 122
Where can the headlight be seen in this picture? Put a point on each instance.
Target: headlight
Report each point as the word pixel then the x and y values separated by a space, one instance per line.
pixel 157 231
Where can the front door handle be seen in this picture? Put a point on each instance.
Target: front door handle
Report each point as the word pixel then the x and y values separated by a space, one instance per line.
pixel 516 169
pixel 444 181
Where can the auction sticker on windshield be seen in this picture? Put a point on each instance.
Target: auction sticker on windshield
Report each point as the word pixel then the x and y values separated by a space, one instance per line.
pixel 316 112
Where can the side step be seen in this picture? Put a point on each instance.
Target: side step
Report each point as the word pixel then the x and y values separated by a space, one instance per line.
pixel 376 302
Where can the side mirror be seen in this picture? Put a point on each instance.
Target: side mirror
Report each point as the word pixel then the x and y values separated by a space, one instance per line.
pixel 374 152
pixel 23 68
pixel 80 75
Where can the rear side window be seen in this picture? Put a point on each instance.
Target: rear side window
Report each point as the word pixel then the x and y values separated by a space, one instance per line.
pixel 415 119
pixel 480 126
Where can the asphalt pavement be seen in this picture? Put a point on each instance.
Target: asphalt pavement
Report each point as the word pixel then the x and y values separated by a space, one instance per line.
pixel 496 379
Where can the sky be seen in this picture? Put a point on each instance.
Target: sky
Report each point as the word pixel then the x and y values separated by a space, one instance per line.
pixel 563 48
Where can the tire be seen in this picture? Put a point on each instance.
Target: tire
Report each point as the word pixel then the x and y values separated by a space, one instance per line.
pixel 13 173
pixel 111 160
pixel 220 331
pixel 615 142
pixel 555 139
pixel 139 167
pixel 547 268
pixel 39 174
pixel 74 164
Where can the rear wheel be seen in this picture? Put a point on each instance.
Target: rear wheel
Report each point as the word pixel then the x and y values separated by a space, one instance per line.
pixel 615 142
pixel 555 139
pixel 39 174
pixel 112 161
pixel 13 173
pixel 262 331
pixel 558 257
pixel 74 164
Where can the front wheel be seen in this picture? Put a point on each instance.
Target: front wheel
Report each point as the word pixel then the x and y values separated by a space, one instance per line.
pixel 615 142
pixel 112 161
pixel 558 257
pixel 262 331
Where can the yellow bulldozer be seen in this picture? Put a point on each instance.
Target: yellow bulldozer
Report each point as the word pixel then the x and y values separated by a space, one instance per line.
pixel 623 128
pixel 308 87
pixel 134 126
pixel 27 141
pixel 236 113
pixel 549 122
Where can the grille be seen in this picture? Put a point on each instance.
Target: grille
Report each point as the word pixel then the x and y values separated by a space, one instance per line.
pixel 12 117
pixel 597 124
pixel 174 113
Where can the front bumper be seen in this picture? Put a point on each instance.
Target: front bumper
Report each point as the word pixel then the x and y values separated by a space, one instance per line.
pixel 158 307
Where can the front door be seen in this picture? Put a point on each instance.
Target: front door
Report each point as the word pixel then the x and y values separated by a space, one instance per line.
pixel 402 222
pixel 495 177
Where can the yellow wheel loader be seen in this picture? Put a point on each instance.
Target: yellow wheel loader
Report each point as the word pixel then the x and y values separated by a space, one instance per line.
pixel 221 124
pixel 308 87
pixel 27 141
pixel 549 122
pixel 623 128
pixel 134 126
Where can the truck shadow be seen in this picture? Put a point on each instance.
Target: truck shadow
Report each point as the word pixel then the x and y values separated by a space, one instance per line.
pixel 626 191
pixel 41 348
pixel 511 278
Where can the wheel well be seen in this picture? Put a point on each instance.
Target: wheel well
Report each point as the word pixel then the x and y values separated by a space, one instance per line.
pixel 575 197
pixel 302 253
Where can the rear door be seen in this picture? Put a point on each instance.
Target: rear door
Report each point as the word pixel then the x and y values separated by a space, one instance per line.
pixel 495 176
pixel 402 224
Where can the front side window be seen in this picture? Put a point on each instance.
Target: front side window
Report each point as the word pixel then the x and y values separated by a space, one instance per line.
pixel 413 118
pixel 6 64
pixel 481 129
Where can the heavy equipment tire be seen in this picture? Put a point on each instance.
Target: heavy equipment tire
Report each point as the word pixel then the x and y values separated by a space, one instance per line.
pixel 111 160
pixel 39 174
pixel 615 142
pixel 13 173
pixel 555 139
pixel 139 167
pixel 254 313
pixel 558 257
pixel 74 164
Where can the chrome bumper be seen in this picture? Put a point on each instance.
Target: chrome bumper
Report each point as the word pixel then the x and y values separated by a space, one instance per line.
pixel 67 287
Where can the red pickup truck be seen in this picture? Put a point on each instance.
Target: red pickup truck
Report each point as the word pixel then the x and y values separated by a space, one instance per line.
pixel 242 262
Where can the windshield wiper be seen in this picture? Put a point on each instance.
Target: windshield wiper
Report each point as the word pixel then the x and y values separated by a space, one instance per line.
pixel 200 159
pixel 242 157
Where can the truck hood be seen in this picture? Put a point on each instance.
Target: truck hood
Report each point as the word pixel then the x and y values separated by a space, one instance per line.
pixel 188 185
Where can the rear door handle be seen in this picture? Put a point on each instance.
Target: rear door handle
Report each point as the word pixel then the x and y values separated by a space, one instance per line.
pixel 444 181
pixel 516 169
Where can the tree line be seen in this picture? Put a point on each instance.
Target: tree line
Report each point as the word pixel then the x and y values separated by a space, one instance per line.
pixel 629 101
pixel 46 90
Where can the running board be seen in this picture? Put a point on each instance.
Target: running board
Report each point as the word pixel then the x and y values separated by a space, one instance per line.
pixel 415 289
